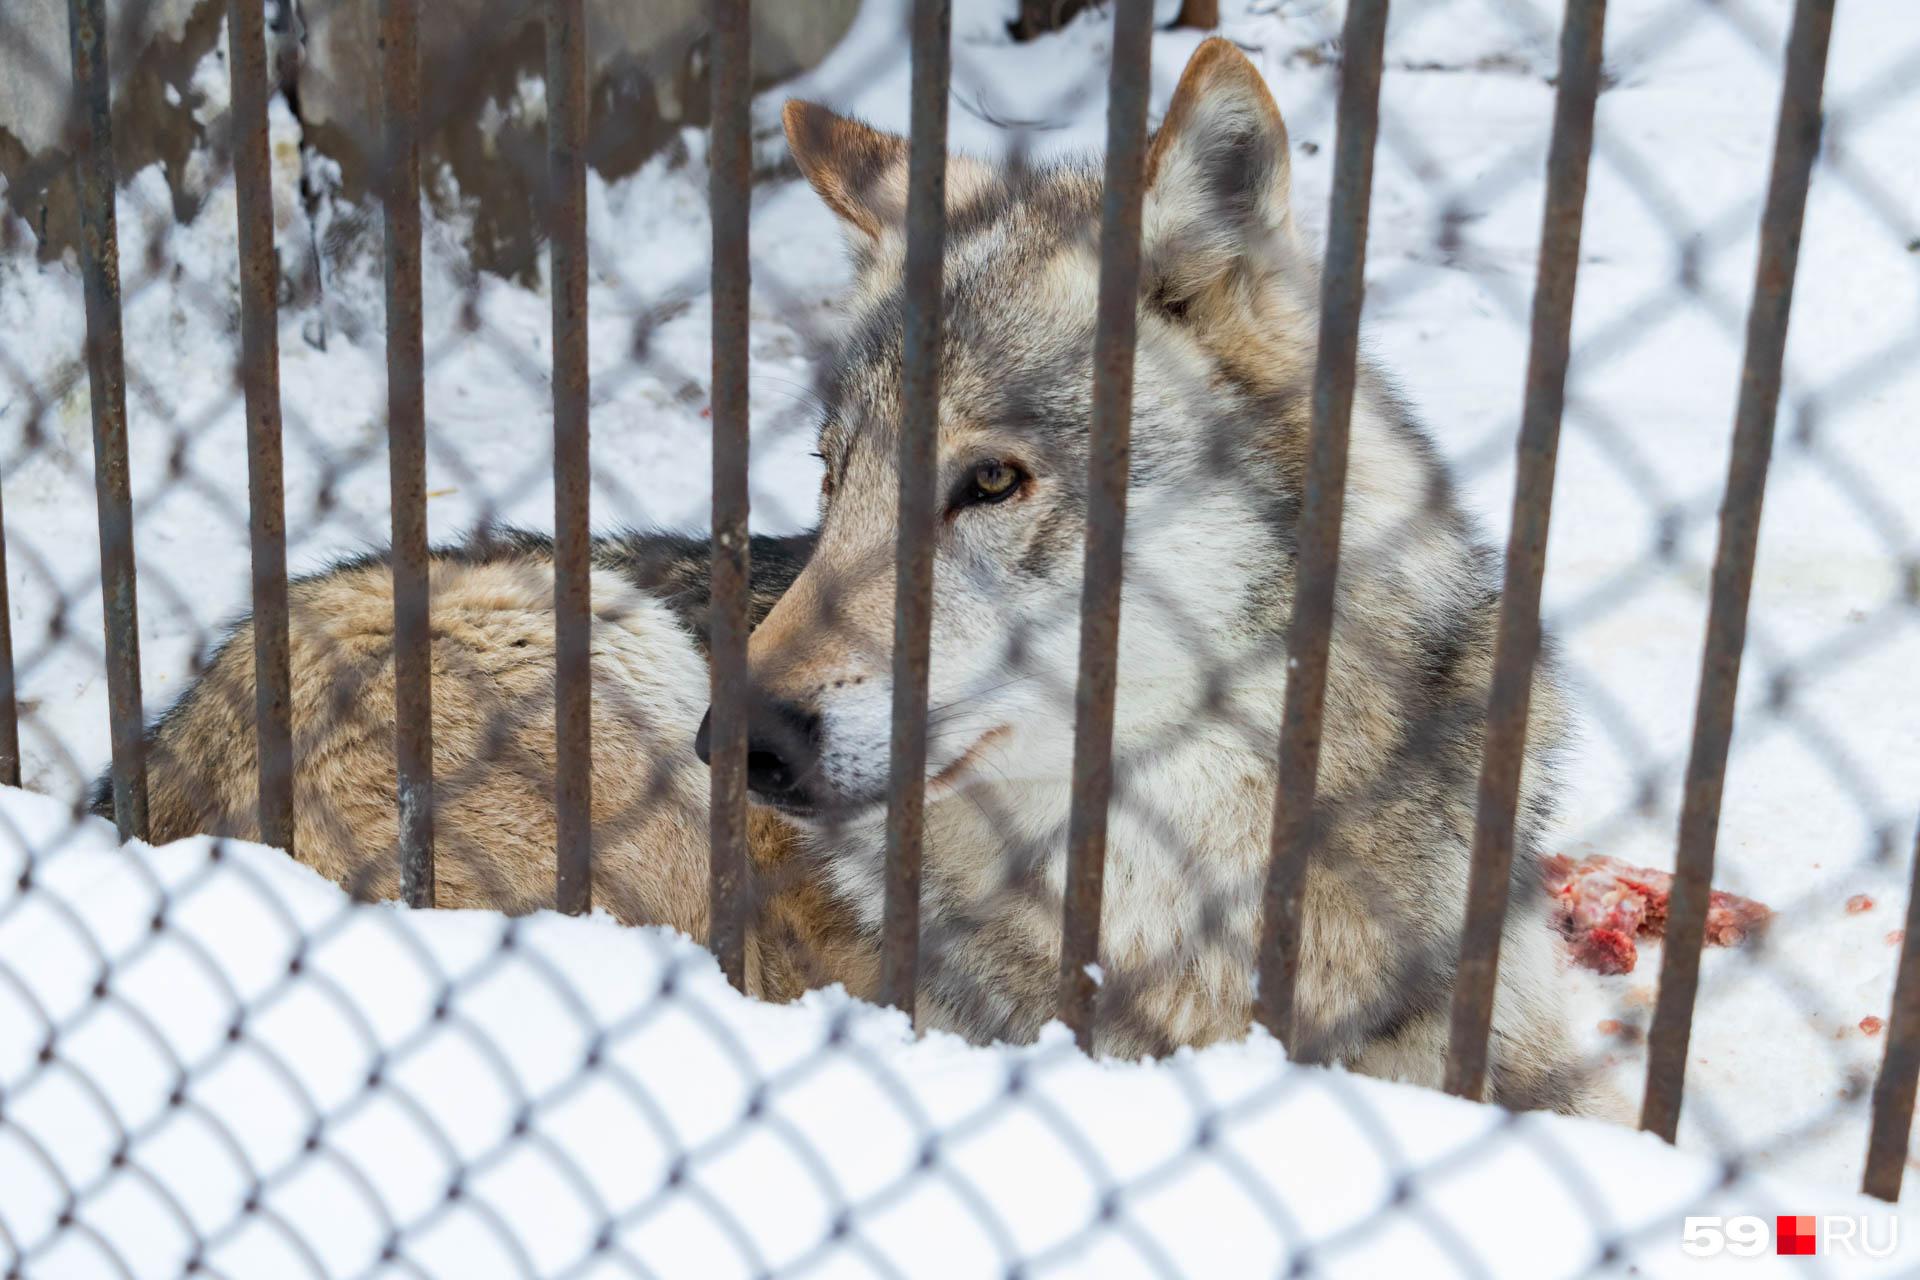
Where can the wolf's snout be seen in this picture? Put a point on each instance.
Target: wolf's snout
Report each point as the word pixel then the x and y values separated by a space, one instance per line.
pixel 783 745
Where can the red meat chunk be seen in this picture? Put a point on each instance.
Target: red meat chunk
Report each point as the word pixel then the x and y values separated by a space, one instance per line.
pixel 1601 905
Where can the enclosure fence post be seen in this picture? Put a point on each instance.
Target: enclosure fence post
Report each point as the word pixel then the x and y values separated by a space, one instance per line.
pixel 107 387
pixel 1796 144
pixel 1517 642
pixel 407 450
pixel 9 707
pixel 566 217
pixel 1343 287
pixel 919 459
pixel 260 380
pixel 1900 1068
pixel 1108 451
pixel 730 162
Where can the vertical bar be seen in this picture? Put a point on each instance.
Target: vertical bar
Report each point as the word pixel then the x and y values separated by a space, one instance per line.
pixel 107 385
pixel 730 168
pixel 1107 458
pixel 9 707
pixel 919 460
pixel 1900 1068
pixel 1796 143
pixel 260 379
pixel 572 545
pixel 1342 289
pixel 1517 645
pixel 407 451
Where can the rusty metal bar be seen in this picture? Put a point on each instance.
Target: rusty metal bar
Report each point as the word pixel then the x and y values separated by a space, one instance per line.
pixel 1342 290
pixel 730 164
pixel 1517 644
pixel 1796 144
pixel 9 706
pixel 107 386
pixel 260 380
pixel 1900 1068
pixel 407 450
pixel 572 537
pixel 1107 456
pixel 919 462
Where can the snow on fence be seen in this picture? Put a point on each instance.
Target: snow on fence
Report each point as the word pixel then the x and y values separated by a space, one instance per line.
pixel 463 1095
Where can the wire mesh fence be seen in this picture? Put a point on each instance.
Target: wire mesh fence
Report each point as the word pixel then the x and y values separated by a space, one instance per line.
pixel 1139 665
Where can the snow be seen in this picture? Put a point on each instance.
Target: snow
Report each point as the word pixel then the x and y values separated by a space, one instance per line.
pixel 572 1076
pixel 1822 790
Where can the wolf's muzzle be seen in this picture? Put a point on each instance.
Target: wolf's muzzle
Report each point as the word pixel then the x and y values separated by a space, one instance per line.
pixel 783 746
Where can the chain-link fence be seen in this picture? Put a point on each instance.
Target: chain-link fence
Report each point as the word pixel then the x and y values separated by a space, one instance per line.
pixel 1184 699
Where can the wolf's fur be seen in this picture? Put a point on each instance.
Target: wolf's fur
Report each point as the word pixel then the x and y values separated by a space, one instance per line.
pixel 1227 329
pixel 493 744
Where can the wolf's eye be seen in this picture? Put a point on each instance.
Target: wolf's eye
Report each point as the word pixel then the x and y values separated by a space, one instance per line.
pixel 993 480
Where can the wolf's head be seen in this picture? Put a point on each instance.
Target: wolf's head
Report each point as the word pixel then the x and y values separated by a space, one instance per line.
pixel 1226 333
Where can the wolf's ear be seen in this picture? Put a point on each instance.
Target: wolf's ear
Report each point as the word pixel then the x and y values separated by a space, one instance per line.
pixel 1217 169
pixel 860 172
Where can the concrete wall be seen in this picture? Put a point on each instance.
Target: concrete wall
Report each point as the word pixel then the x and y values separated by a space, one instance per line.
pixel 482 62
pixel 481 68
pixel 155 47
pixel 36 74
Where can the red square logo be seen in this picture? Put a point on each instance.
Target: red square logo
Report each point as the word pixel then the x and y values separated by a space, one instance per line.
pixel 1794 1234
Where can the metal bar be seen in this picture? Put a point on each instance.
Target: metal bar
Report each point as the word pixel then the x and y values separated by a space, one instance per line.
pixel 260 380
pixel 1900 1068
pixel 107 386
pixel 572 537
pixel 1517 645
pixel 1107 457
pixel 9 706
pixel 730 161
pixel 407 450
pixel 919 461
pixel 1796 143
pixel 1309 633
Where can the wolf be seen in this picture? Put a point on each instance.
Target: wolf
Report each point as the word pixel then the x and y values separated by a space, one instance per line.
pixel 1227 328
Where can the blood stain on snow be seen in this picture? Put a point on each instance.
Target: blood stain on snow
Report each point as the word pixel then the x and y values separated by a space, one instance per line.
pixel 1857 903
pixel 1896 937
pixel 1602 906
pixel 1872 1025
pixel 1625 1031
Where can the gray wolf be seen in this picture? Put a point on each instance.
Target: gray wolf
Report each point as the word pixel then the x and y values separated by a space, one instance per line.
pixel 1227 332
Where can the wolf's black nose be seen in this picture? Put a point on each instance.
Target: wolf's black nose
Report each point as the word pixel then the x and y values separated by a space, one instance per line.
pixel 783 744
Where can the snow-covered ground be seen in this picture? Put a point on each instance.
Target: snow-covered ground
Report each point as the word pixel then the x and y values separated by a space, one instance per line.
pixel 606 1105
pixel 1825 779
